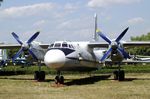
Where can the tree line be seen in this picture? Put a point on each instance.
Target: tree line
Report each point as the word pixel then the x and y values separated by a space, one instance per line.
pixel 141 50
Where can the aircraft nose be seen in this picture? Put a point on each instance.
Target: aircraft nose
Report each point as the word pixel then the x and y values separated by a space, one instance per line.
pixel 54 58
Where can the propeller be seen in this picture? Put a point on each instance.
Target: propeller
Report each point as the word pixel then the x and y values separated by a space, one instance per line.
pixel 114 45
pixel 25 46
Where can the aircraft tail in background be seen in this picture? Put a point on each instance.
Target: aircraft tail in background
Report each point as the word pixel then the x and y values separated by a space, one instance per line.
pixel 95 38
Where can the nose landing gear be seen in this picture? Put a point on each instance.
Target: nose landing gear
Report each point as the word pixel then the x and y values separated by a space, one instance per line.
pixel 59 79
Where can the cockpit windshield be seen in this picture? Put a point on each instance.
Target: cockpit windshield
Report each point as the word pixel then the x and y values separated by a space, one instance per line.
pixel 57 45
pixel 61 45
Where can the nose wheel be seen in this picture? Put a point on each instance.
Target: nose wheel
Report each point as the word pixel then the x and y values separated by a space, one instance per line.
pixel 59 79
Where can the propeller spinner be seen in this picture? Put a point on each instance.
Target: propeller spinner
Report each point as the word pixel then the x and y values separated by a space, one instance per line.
pixel 25 46
pixel 114 45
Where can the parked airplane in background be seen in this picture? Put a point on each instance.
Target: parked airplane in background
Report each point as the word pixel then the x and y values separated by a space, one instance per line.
pixel 3 57
pixel 76 56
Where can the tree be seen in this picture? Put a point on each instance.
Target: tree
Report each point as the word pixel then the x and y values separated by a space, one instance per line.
pixel 141 50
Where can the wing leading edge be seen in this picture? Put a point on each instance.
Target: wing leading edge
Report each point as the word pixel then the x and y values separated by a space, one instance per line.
pixel 124 44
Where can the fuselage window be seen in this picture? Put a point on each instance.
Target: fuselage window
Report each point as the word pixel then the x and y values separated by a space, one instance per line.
pixel 57 45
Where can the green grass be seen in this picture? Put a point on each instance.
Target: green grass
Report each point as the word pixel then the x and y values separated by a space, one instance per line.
pixel 77 85
pixel 31 69
pixel 136 86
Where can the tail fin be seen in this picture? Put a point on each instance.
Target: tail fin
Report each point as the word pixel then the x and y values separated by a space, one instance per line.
pixel 95 38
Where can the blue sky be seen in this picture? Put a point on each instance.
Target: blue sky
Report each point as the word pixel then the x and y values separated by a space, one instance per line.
pixel 72 19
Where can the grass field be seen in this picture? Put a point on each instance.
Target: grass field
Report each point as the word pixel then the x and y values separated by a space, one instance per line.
pixel 79 86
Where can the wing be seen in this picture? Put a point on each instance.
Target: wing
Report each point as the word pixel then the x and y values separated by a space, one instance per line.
pixel 98 45
pixel 9 46
pixel 45 46
pixel 135 44
pixel 125 44
pixel 12 46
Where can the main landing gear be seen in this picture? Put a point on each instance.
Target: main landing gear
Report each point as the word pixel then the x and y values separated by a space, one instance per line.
pixel 39 75
pixel 119 74
pixel 59 79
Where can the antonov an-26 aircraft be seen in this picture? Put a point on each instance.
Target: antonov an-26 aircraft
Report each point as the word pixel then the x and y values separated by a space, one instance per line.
pixel 76 56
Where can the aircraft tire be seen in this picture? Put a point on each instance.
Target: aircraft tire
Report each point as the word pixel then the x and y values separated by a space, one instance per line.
pixel 61 80
pixel 57 80
pixel 36 75
pixel 121 75
pixel 41 76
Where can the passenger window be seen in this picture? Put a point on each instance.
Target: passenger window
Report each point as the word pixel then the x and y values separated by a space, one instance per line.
pixel 57 44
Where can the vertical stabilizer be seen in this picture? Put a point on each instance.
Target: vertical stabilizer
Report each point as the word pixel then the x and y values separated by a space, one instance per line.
pixel 95 35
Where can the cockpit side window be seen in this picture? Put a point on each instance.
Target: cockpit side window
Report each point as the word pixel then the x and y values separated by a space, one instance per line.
pixel 51 45
pixel 57 45
pixel 70 46
pixel 64 45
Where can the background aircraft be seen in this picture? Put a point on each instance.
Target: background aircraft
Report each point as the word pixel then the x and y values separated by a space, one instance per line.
pixel 76 56
pixel 0 2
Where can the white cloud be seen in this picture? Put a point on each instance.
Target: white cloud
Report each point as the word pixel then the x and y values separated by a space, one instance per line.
pixel 136 20
pixel 104 3
pixel 39 23
pixel 26 10
pixel 66 9
pixel 65 24
pixel 70 6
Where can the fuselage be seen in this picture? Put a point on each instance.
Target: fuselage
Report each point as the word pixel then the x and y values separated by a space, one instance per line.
pixel 67 56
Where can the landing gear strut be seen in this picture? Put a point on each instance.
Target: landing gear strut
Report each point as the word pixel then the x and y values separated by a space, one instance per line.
pixel 119 74
pixel 59 79
pixel 39 75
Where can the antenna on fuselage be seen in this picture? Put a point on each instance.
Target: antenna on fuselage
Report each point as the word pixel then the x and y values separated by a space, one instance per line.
pixel 95 38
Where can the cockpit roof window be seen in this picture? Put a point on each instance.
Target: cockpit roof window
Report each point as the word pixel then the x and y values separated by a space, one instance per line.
pixel 57 45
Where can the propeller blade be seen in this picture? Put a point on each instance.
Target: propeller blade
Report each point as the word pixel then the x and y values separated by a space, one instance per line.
pixel 121 35
pixel 17 38
pixel 104 37
pixel 106 54
pixel 17 54
pixel 124 53
pixel 33 37
pixel 33 55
